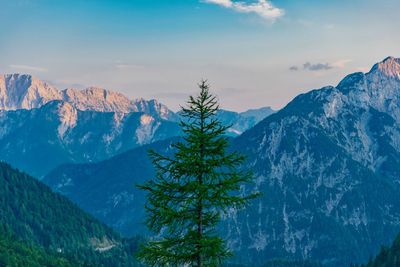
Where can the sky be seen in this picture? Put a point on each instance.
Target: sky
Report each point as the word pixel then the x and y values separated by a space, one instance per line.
pixel 253 53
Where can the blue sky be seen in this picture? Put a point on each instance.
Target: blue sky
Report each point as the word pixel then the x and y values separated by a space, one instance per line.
pixel 254 53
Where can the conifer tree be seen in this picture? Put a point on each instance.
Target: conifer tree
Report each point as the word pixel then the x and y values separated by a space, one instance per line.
pixel 193 189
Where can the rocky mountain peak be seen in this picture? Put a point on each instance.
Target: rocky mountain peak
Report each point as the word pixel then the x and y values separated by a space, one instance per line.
pixel 16 77
pixel 378 89
pixel 389 67
pixel 21 91
pixel 153 107
pixel 97 99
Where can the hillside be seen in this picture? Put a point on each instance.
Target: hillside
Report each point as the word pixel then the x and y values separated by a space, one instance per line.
pixel 327 165
pixel 17 253
pixel 33 214
pixel 107 189
pixel 387 257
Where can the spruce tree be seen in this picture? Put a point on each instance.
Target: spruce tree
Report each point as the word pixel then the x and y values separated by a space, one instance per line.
pixel 193 189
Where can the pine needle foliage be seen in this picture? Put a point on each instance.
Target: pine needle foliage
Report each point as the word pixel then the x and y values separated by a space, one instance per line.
pixel 193 189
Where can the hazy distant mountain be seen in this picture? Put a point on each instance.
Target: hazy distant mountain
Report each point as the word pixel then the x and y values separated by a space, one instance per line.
pixel 40 139
pixel 328 165
pixel 97 99
pixel 42 127
pixel 25 92
pixel 243 121
pixel 21 91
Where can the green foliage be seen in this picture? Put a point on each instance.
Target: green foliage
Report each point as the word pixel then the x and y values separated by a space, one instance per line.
pixel 387 257
pixel 35 215
pixel 16 253
pixel 193 189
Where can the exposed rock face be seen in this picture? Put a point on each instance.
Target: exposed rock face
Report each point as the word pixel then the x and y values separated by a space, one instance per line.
pixel 97 99
pixel 39 140
pixel 42 127
pixel 21 91
pixel 328 165
pixel 25 92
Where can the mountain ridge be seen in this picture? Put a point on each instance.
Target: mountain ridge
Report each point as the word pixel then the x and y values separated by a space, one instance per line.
pixel 42 127
pixel 328 167
pixel 24 91
pixel 38 140
pixel 329 154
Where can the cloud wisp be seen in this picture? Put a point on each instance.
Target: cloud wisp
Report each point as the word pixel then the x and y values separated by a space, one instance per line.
pixel 317 67
pixel 28 68
pixel 321 66
pixel 263 8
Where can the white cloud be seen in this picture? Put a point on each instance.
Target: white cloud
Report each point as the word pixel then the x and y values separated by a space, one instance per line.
pixel 28 68
pixel 224 3
pixel 263 8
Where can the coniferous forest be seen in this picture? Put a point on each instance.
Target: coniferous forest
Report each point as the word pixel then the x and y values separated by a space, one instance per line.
pixel 35 221
pixel 19 253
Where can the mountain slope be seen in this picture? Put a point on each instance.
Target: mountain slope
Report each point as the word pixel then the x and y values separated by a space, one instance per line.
pixel 328 167
pixel 40 139
pixel 17 253
pixel 108 189
pixel 33 214
pixel 42 127
pixel 387 257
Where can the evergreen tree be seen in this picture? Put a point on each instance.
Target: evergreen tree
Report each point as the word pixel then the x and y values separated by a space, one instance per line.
pixel 193 189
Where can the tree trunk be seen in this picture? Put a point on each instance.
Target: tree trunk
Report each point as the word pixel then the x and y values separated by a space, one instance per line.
pixel 200 196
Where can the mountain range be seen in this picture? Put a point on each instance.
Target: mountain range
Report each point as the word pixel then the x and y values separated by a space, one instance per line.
pixel 327 166
pixel 22 91
pixel 42 127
